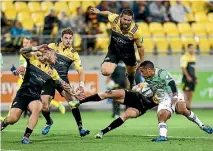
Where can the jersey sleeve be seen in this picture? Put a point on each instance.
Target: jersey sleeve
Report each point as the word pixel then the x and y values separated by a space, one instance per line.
pixel 55 76
pixel 138 38
pixel 22 61
pixel 77 62
pixel 52 45
pixel 165 76
pixel 183 62
pixel 111 17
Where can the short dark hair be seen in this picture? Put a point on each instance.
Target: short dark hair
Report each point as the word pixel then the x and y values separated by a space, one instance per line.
pixel 66 31
pixel 147 64
pixel 128 12
pixel 189 45
pixel 28 38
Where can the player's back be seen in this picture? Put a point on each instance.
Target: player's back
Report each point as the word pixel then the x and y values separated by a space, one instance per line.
pixel 37 73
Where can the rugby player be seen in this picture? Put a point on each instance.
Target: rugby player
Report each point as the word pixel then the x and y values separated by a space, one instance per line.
pixel 155 92
pixel 187 64
pixel 27 42
pixel 38 72
pixel 163 86
pixel 125 33
pixel 65 57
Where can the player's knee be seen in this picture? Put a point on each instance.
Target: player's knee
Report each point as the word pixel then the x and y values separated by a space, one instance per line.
pixel 13 119
pixel 45 106
pixel 105 72
pixel 163 115
pixel 125 116
pixel 183 111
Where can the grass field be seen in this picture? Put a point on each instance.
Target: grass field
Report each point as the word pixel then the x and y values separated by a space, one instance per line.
pixel 134 135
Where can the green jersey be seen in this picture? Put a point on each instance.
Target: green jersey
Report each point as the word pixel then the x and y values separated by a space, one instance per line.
pixel 159 83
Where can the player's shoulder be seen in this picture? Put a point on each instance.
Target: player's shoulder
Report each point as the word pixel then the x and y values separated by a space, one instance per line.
pixel 160 72
pixel 112 17
pixel 184 57
pixel 136 30
pixel 52 45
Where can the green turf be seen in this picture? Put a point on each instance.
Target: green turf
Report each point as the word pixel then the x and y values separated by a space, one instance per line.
pixel 134 135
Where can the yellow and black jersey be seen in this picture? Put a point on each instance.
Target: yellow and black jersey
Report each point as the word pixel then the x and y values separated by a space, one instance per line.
pixel 37 73
pixel 188 61
pixel 133 34
pixel 65 57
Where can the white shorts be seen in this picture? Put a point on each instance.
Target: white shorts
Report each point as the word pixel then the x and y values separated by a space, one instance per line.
pixel 165 103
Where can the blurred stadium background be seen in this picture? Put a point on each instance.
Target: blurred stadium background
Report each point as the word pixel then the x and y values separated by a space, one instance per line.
pixel 165 38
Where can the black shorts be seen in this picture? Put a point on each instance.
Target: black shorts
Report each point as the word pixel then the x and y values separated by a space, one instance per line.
pixel 50 86
pixel 22 102
pixel 134 100
pixel 188 86
pixel 114 58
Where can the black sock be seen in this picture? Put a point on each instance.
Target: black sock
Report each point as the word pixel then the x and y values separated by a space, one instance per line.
pixel 28 132
pixel 3 124
pixel 116 123
pixel 47 117
pixel 94 97
pixel 131 79
pixel 77 115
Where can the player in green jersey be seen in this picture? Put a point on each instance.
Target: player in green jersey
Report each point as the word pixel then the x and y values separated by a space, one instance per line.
pixel 163 86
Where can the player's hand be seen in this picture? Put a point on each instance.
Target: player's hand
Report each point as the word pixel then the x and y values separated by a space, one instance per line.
pixel 95 10
pixel 174 100
pixel 20 70
pixel 43 48
pixel 189 79
pixel 196 81
pixel 80 90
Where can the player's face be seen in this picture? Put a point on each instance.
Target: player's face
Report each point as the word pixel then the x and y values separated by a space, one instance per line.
pixel 125 21
pixel 67 40
pixel 191 50
pixel 146 72
pixel 52 57
pixel 26 43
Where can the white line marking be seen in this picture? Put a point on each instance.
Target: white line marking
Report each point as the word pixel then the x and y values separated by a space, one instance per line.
pixel 38 131
pixel 185 137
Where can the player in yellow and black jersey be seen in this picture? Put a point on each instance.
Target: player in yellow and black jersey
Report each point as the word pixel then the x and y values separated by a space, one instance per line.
pixel 125 34
pixel 38 72
pixel 187 64
pixel 66 56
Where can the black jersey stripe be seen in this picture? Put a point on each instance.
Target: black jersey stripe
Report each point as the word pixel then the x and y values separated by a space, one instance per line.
pixel 116 20
pixel 134 29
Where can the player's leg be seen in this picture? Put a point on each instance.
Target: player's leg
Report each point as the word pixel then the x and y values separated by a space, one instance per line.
pixel 46 113
pixel 117 95
pixel 131 65
pixel 131 71
pixel 58 105
pixel 188 92
pixel 181 108
pixel 115 109
pixel 163 114
pixel 129 113
pixel 47 94
pixel 109 64
pixel 76 113
pixel 35 108
pixel 15 114
pixel 18 106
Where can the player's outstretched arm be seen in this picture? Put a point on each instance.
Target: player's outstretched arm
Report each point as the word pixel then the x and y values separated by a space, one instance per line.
pixel 97 11
pixel 66 87
pixel 27 51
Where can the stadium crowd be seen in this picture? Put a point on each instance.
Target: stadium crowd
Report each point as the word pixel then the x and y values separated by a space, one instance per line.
pixel 44 21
